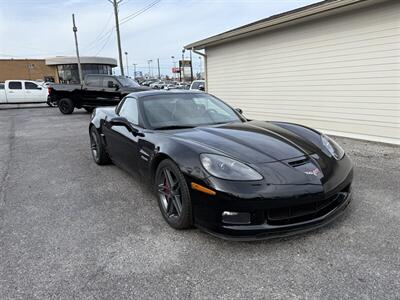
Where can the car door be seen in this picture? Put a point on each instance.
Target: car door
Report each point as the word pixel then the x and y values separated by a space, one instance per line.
pixel 122 144
pixel 111 91
pixel 91 90
pixel 34 92
pixel 15 92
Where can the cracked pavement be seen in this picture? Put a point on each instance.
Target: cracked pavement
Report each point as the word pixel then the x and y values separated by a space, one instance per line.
pixel 70 229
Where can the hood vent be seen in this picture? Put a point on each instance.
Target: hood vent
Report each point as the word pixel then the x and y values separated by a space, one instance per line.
pixel 299 162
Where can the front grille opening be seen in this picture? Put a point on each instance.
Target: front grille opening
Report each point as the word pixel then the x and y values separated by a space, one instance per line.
pixel 305 212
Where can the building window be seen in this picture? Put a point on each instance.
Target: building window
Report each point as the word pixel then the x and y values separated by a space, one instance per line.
pixel 69 74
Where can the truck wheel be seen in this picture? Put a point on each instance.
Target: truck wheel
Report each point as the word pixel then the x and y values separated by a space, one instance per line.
pixel 66 106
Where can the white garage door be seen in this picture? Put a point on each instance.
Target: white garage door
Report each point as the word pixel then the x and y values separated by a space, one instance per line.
pixel 339 74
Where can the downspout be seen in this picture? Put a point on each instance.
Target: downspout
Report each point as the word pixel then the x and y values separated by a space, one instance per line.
pixel 205 67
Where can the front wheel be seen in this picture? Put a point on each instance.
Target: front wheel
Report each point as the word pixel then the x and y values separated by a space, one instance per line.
pixel 66 106
pixel 173 195
pixel 97 148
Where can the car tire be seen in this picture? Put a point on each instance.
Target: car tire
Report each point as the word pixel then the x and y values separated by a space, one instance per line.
pixel 66 106
pixel 99 154
pixel 89 109
pixel 173 197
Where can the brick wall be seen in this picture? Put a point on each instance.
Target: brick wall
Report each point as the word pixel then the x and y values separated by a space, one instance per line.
pixel 26 69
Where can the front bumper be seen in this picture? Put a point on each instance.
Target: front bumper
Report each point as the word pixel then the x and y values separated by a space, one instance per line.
pixel 274 210
pixel 267 231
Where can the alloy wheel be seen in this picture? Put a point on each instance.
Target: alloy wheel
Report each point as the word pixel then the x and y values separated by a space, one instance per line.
pixel 94 145
pixel 169 191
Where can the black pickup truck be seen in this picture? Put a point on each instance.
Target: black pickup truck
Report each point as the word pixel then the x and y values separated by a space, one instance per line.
pixel 96 90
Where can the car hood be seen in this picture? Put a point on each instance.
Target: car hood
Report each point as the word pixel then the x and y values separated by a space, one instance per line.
pixel 252 142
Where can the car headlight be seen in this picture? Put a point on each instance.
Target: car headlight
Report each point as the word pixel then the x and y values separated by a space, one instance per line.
pixel 226 168
pixel 333 148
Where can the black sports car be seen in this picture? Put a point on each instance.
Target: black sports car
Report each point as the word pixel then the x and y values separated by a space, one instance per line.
pixel 213 168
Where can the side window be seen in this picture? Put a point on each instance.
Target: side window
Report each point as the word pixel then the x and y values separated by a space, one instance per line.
pixel 129 110
pixel 1 86
pixel 93 81
pixel 109 82
pixel 31 86
pixel 15 85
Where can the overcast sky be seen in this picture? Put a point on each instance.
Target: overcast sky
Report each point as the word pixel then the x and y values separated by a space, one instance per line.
pixel 42 28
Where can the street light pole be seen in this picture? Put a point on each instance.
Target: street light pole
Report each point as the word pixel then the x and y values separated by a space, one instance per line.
pixel 174 64
pixel 127 65
pixel 115 4
pixel 158 66
pixel 75 29
pixel 134 71
pixel 149 62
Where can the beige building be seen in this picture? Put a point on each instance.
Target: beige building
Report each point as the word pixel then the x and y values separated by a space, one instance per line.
pixel 62 69
pixel 26 69
pixel 333 66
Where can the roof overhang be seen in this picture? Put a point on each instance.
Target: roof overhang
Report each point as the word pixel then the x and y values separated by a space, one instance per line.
pixel 292 17
pixel 65 60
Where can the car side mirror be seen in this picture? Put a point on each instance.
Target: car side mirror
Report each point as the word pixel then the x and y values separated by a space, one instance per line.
pixel 121 121
pixel 239 110
pixel 39 88
pixel 201 88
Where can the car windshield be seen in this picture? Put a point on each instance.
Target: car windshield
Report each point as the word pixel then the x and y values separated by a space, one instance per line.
pixel 128 82
pixel 186 110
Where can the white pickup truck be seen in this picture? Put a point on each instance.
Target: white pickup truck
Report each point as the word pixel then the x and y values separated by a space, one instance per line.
pixel 22 91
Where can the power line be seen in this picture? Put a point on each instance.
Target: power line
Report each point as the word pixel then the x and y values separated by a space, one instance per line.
pixel 138 13
pixel 106 36
pixel 101 34
pixel 106 42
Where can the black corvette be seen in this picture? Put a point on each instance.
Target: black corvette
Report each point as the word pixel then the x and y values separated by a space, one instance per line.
pixel 213 168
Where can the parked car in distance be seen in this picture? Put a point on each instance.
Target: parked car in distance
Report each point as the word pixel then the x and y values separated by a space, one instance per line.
pixel 148 82
pixel 157 85
pixel 169 86
pixel 22 91
pixel 198 85
pixel 212 168
pixel 96 90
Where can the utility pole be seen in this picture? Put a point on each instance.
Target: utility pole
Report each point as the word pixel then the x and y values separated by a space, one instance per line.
pixel 115 4
pixel 183 66
pixel 77 49
pixel 134 71
pixel 127 65
pixel 191 66
pixel 158 65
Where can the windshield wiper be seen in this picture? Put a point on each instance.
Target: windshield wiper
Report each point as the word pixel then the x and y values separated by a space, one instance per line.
pixel 173 127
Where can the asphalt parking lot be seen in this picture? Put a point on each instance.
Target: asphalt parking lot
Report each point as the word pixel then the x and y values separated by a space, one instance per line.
pixel 72 229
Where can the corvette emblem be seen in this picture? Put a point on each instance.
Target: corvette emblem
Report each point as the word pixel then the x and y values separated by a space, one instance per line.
pixel 314 172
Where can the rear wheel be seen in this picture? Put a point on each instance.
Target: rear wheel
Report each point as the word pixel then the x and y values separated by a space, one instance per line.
pixel 97 148
pixel 173 195
pixel 66 106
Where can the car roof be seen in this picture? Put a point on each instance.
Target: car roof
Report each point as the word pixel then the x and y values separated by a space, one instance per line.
pixel 162 92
